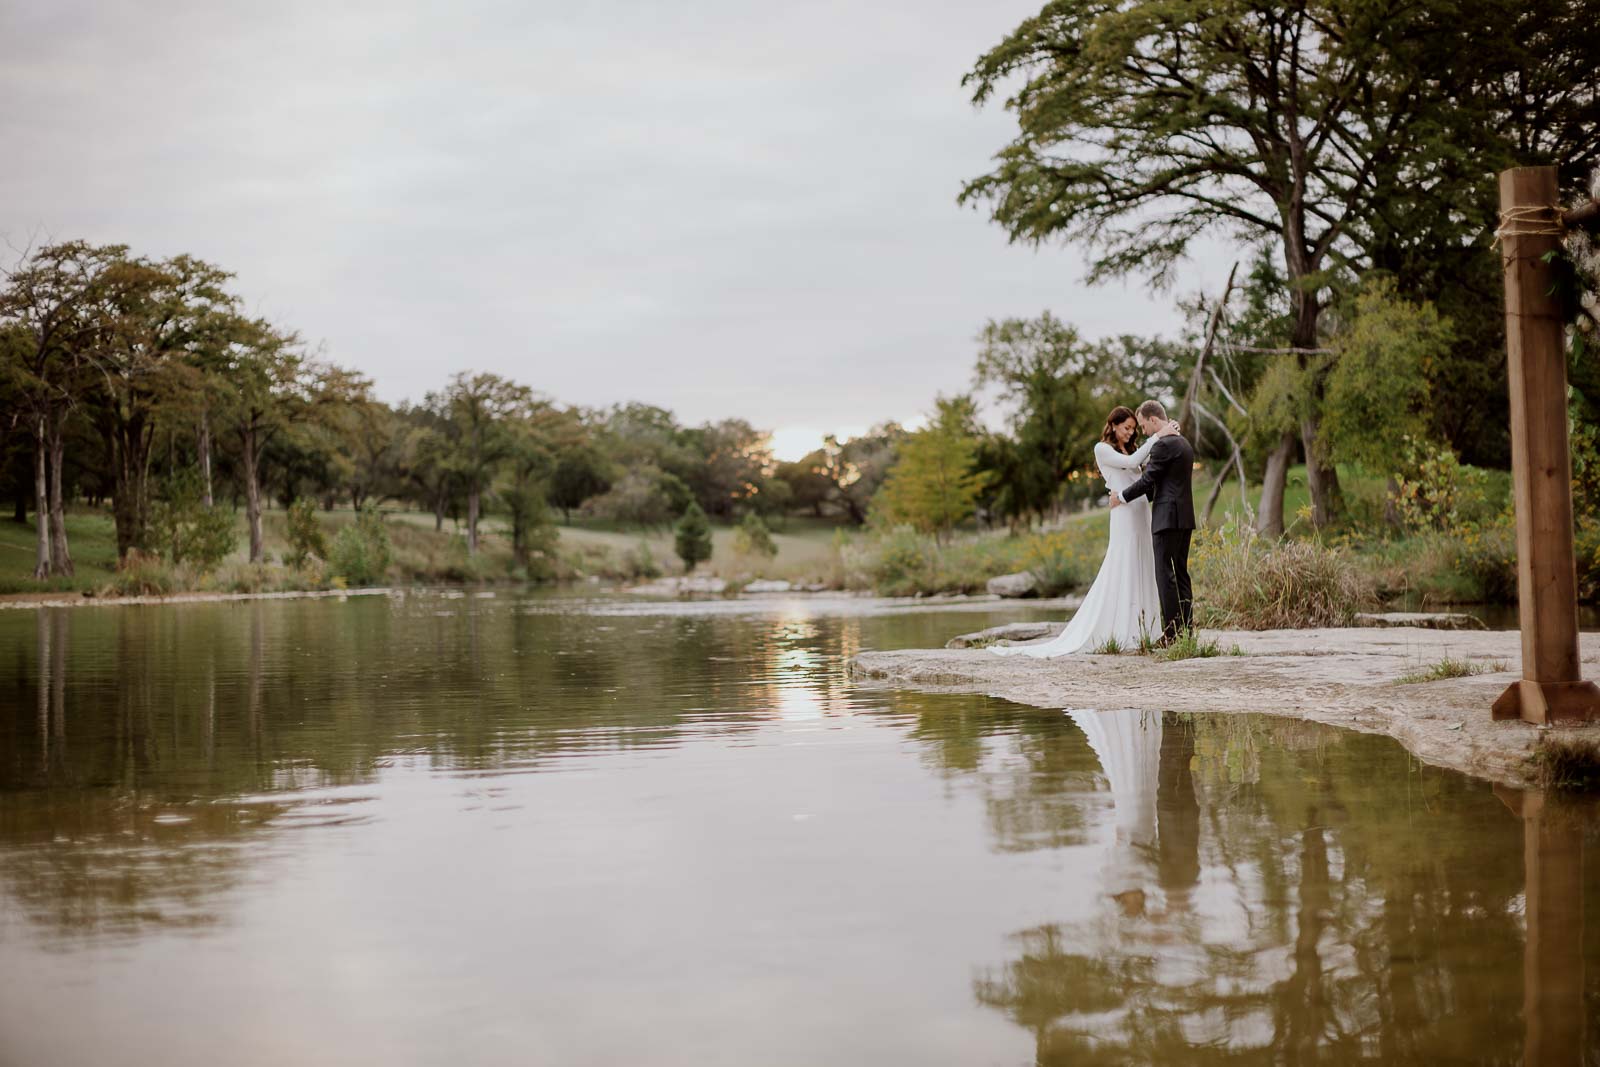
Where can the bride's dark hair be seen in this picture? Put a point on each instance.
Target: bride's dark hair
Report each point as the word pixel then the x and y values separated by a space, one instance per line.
pixel 1118 416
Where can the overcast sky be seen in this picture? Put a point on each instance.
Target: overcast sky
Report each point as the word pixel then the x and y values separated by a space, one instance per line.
pixel 724 208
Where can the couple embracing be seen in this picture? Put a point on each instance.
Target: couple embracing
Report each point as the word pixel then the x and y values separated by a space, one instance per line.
pixel 1145 575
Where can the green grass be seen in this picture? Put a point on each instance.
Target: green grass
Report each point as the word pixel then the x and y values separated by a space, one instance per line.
pixel 91 538
pixel 1448 667
pixel 1190 645
pixel 805 550
pixel 1109 647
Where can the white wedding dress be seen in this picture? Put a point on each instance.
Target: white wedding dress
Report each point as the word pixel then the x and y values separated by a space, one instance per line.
pixel 1123 602
pixel 1129 746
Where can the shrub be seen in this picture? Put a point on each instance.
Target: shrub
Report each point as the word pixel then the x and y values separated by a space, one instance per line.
pixel 899 561
pixel 640 562
pixel 143 575
pixel 361 551
pixel 692 537
pixel 184 529
pixel 1062 560
pixel 1469 566
pixel 752 538
pixel 306 539
pixel 1242 581
pixel 849 563
pixel 1437 491
pixel 262 578
pixel 903 563
pixel 1587 550
pixel 1489 559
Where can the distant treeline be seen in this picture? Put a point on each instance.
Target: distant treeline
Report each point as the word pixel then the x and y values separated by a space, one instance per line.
pixel 125 379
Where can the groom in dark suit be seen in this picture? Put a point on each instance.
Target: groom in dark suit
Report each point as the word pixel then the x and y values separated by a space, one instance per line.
pixel 1167 481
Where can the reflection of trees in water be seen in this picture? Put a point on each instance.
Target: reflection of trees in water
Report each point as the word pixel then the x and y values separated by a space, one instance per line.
pixel 1340 902
pixel 1037 789
pixel 127 737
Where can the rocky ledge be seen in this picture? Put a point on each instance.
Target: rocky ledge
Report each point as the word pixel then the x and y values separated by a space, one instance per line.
pixel 1355 678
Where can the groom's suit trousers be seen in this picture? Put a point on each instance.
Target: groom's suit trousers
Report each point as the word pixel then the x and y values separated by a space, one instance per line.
pixel 1172 581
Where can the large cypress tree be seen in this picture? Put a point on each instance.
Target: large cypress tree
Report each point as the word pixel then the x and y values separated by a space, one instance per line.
pixel 1347 134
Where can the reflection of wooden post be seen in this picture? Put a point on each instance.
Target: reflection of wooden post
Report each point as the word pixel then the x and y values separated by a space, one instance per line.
pixel 1552 685
pixel 1552 959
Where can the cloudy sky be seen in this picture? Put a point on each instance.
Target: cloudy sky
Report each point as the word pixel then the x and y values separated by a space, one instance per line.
pixel 724 208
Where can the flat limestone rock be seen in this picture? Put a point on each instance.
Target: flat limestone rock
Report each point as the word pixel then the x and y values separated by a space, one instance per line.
pixel 680 586
pixel 1023 583
pixel 1358 678
pixel 769 585
pixel 1011 631
pixel 1431 620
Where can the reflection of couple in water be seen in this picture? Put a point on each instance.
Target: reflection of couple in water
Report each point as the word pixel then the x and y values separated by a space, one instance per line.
pixel 1128 744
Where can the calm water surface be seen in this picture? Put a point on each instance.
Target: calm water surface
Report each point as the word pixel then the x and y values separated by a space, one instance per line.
pixel 525 830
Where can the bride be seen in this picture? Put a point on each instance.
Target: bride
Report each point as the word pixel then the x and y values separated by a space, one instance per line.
pixel 1123 603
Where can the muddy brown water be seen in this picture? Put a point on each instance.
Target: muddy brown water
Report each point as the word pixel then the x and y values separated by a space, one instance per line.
pixel 548 830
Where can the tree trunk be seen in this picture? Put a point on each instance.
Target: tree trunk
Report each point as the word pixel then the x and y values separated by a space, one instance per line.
pixel 438 513
pixel 472 521
pixel 41 493
pixel 1269 519
pixel 130 505
pixel 60 554
pixel 1391 504
pixel 205 456
pixel 519 536
pixel 252 489
pixel 19 506
pixel 1321 476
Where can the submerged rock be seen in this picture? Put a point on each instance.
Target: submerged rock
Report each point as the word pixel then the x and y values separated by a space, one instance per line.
pixel 1011 631
pixel 1431 620
pixel 1023 583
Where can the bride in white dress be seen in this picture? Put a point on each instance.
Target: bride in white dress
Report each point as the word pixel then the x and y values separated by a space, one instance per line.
pixel 1123 602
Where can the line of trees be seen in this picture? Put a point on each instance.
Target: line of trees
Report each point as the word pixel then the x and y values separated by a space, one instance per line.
pixel 133 382
pixel 127 381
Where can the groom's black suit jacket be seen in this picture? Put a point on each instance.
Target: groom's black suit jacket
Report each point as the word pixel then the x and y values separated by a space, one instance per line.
pixel 1167 480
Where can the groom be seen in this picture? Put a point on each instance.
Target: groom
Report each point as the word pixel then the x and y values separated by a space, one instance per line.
pixel 1166 480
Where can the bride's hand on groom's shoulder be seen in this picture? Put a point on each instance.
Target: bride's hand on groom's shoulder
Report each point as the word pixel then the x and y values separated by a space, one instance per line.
pixel 1170 429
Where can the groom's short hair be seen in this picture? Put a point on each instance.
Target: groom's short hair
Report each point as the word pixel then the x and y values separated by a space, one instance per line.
pixel 1151 409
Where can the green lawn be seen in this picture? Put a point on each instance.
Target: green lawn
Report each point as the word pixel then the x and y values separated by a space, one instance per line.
pixel 90 537
pixel 805 548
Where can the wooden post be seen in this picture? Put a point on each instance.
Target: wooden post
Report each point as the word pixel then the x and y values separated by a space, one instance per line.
pixel 1552 685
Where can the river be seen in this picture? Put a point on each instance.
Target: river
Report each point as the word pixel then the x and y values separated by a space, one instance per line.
pixel 549 829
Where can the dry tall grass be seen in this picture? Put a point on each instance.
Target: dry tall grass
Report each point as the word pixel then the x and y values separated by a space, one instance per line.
pixel 1246 582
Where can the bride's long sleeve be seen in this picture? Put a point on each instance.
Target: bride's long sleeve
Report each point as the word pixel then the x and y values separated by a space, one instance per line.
pixel 1107 456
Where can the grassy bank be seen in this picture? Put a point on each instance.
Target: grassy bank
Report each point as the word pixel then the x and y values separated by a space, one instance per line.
pixel 1310 578
pixel 808 552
